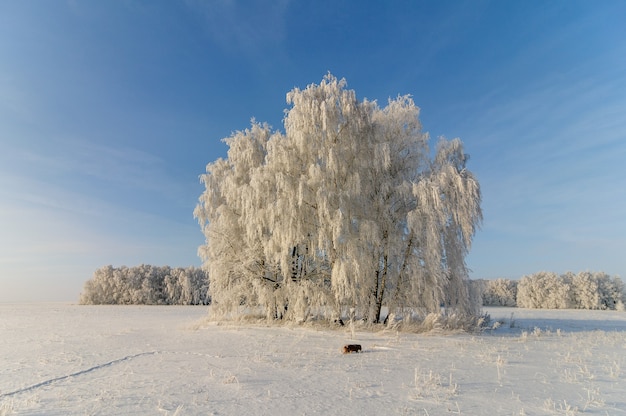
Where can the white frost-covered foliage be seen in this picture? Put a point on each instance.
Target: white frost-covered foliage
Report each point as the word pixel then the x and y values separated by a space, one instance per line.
pixel 596 290
pixel 500 292
pixel 585 290
pixel 543 290
pixel 342 214
pixel 146 285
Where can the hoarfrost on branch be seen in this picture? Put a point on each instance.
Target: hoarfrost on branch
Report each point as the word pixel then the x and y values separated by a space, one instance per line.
pixel 344 211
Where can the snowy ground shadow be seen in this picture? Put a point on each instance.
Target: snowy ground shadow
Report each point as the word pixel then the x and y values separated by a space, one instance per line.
pixel 515 320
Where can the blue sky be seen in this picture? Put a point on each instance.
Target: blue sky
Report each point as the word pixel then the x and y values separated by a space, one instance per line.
pixel 110 110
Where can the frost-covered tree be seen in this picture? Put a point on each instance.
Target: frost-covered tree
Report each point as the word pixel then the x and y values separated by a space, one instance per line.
pixel 585 290
pixel 500 292
pixel 596 290
pixel 612 295
pixel 146 285
pixel 585 293
pixel 345 210
pixel 543 290
pixel 479 286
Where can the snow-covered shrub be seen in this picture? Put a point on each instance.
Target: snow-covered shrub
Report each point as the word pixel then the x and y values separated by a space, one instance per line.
pixel 147 284
pixel 437 322
pixel 345 209
pixel 543 290
pixel 500 292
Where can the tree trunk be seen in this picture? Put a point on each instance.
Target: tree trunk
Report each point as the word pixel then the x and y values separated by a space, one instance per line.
pixel 382 283
pixel 403 269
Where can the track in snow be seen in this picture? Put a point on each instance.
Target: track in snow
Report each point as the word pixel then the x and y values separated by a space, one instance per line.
pixel 79 373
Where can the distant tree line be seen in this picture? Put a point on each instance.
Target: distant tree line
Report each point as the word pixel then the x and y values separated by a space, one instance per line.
pixel 147 285
pixel 547 290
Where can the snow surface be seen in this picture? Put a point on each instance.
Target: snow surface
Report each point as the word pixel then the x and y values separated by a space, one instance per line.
pixel 63 359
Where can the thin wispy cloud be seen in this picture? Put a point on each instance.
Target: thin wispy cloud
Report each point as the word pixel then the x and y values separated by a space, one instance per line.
pixel 70 161
pixel 252 29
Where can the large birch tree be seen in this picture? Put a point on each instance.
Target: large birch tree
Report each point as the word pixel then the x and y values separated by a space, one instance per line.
pixel 344 211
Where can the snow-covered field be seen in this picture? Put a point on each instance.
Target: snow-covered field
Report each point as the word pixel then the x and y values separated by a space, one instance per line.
pixel 63 359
